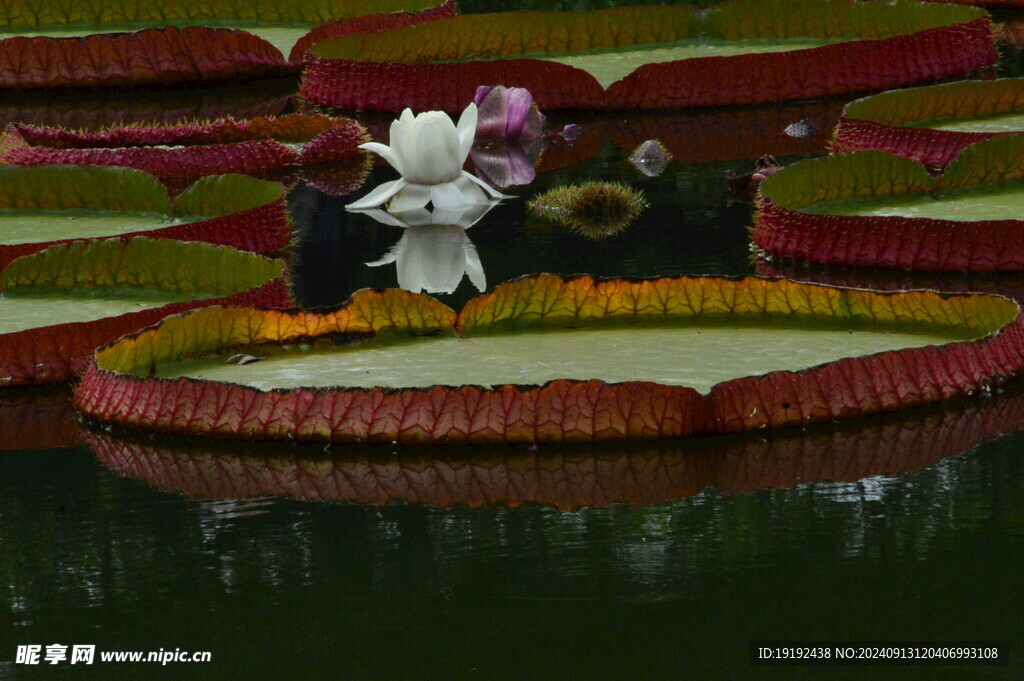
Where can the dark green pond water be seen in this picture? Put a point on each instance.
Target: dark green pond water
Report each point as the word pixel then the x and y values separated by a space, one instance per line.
pixel 621 562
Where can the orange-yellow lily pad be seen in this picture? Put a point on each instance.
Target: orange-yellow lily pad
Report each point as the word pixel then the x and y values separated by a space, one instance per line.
pixel 598 360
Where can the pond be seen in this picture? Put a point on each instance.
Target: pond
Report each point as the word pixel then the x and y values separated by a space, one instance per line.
pixel 645 561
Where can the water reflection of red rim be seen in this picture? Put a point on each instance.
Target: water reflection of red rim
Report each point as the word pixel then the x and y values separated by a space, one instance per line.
pixel 701 136
pixel 564 477
pixel 42 418
pixel 727 135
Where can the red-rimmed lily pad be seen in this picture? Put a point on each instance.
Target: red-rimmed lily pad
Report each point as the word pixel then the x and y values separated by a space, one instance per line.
pixel 871 209
pixel 164 56
pixel 73 111
pixel 272 30
pixel 41 207
pixel 744 52
pixel 189 150
pixel 565 477
pixel 371 22
pixel 406 377
pixel 57 305
pixel 932 124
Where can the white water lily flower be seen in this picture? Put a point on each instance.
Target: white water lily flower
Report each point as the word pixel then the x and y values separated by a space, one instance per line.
pixel 429 151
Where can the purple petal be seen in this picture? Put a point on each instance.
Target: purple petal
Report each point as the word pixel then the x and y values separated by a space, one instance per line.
pixel 492 113
pixel 519 102
pixel 481 93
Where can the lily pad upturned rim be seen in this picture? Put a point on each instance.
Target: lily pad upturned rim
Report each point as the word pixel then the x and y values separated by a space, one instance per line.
pixel 348 73
pixel 782 229
pixel 881 122
pixel 334 28
pixel 561 410
pixel 244 212
pixel 137 14
pixel 190 150
pixel 564 476
pixel 54 353
pixel 146 57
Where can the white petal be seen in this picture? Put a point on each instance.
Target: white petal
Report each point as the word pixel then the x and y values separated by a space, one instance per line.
pixel 415 218
pixel 448 196
pixel 494 193
pixel 400 138
pixel 471 194
pixel 378 195
pixel 382 216
pixel 467 131
pixel 411 197
pixel 436 158
pixel 444 124
pixel 385 152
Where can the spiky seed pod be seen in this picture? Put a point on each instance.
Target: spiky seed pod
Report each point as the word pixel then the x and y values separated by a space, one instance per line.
pixel 594 209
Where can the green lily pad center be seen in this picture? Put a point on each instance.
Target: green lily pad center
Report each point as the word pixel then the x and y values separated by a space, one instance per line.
pixel 698 357
pixel 21 227
pixel 23 309
pixel 998 201
pixel 1010 121
pixel 608 66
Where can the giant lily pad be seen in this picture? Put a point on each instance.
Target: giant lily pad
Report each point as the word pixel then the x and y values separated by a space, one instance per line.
pixel 870 209
pixel 141 58
pixel 189 150
pixel 745 52
pixel 283 28
pixel 73 111
pixel 371 22
pixel 932 124
pixel 398 354
pixel 40 207
pixel 562 476
pixel 57 305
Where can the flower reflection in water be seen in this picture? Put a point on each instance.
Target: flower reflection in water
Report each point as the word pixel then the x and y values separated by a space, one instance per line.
pixel 504 164
pixel 435 252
